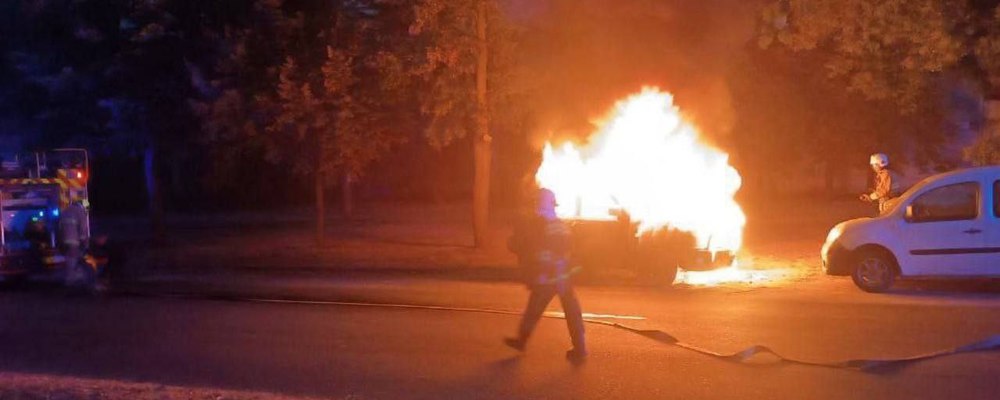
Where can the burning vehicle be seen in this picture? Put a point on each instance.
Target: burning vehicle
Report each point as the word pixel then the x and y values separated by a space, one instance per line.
pixel 646 194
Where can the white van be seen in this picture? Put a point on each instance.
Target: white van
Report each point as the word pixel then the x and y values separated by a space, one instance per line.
pixel 946 226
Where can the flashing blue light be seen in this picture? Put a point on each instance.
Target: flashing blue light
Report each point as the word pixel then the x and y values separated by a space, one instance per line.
pixel 41 213
pixel 55 212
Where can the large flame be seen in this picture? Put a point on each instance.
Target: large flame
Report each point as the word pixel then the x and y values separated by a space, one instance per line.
pixel 646 160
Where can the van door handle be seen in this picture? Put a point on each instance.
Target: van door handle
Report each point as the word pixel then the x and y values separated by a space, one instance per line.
pixel 972 231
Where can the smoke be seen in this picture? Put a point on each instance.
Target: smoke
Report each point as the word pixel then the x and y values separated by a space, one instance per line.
pixel 586 54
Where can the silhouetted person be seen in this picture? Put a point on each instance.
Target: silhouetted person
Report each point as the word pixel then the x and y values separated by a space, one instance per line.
pixel 542 243
pixel 73 236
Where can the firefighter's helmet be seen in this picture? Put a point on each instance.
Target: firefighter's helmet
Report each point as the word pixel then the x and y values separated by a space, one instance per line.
pixel 879 159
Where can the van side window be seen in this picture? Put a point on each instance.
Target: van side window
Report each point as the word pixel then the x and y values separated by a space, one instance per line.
pixel 955 202
pixel 996 199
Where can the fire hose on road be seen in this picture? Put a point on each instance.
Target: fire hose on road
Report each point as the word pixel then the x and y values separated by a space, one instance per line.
pixel 745 356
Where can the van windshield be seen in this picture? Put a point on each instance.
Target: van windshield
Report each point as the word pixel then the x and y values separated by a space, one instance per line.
pixel 914 188
pixel 891 204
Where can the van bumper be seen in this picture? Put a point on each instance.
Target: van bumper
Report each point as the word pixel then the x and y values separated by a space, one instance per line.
pixel 836 259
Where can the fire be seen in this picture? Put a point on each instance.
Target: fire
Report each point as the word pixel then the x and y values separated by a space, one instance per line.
pixel 739 274
pixel 729 274
pixel 646 160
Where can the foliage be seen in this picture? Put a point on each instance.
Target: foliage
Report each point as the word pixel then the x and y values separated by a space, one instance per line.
pixel 884 49
pixel 986 151
pixel 187 79
pixel 327 107
pixel 443 51
pixel 898 50
pixel 306 86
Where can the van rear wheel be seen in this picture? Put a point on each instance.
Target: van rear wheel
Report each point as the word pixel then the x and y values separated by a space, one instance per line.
pixel 874 271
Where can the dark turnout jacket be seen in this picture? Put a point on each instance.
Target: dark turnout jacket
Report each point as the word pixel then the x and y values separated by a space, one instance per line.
pixel 542 247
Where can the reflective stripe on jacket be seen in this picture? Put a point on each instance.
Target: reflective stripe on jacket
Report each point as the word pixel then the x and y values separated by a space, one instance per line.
pixel 542 246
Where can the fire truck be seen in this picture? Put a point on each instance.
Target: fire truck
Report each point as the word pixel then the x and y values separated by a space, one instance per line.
pixel 35 188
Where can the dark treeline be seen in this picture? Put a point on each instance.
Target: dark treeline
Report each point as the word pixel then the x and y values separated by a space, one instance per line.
pixel 233 104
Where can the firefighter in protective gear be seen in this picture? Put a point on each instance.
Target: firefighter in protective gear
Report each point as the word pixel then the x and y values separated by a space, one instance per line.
pixel 885 182
pixel 73 232
pixel 542 243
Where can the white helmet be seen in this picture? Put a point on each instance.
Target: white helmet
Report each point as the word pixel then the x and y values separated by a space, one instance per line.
pixel 879 159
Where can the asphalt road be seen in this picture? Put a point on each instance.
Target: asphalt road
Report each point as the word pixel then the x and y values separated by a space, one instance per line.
pixel 364 352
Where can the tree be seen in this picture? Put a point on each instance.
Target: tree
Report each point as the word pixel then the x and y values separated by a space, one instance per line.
pixel 461 52
pixel 241 65
pixel 884 49
pixel 305 86
pixel 787 111
pixel 986 151
pixel 321 108
pixel 894 50
pixel 114 78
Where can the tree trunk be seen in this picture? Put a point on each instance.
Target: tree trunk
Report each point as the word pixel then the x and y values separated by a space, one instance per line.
pixel 320 175
pixel 153 193
pixel 320 208
pixel 482 141
pixel 347 196
pixel 176 194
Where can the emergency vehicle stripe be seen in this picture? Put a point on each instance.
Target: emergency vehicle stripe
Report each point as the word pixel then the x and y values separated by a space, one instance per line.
pixel 64 185
pixel 37 181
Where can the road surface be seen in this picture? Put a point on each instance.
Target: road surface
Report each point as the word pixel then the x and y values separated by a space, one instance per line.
pixel 365 352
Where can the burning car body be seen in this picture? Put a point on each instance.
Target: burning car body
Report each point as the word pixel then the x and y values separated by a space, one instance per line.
pixel 646 193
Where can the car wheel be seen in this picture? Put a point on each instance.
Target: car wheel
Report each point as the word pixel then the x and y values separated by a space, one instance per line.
pixel 657 272
pixel 656 264
pixel 874 271
pixel 669 275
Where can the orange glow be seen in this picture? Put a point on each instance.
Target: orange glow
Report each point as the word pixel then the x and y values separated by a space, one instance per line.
pixel 724 275
pixel 646 160
pixel 744 273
